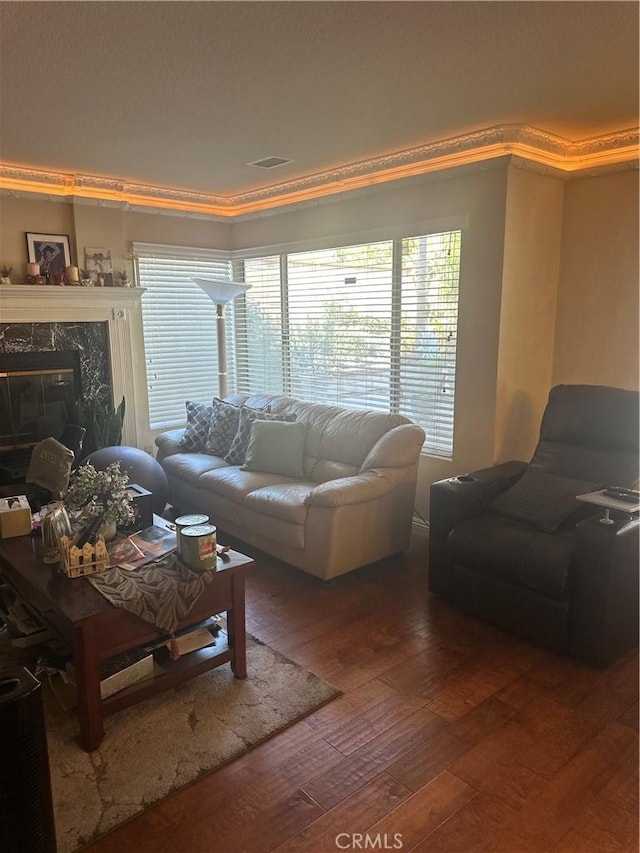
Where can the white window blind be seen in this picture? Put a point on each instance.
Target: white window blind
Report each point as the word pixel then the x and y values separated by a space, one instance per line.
pixel 179 323
pixel 371 326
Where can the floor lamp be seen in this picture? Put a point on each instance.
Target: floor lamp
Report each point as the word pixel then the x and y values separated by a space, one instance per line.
pixel 221 291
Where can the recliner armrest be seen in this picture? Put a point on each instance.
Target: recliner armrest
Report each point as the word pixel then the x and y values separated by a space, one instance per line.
pixel 456 499
pixel 604 585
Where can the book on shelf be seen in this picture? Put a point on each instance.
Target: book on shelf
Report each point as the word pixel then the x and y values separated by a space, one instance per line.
pixel 190 641
pixel 121 671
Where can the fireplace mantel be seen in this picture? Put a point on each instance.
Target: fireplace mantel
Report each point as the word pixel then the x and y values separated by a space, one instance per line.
pixel 119 307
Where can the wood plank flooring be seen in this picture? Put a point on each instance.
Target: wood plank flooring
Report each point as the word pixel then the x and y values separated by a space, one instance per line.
pixel 450 736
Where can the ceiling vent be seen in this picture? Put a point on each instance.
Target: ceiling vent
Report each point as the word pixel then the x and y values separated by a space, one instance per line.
pixel 270 162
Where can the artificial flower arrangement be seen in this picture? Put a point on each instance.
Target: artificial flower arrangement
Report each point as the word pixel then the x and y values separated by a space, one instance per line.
pixel 101 494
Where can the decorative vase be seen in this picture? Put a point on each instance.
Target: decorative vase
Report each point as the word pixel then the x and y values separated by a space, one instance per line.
pixel 5 279
pixel 107 530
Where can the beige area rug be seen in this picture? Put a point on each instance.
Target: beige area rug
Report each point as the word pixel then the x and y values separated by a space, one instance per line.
pixel 155 748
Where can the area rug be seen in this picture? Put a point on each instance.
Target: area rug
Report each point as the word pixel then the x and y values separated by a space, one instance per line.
pixel 153 749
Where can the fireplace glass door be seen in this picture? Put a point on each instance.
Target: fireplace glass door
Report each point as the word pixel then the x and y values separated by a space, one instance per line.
pixel 34 404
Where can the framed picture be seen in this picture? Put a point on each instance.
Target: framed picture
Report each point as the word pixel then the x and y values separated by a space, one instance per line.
pixel 55 525
pixel 98 262
pixel 51 251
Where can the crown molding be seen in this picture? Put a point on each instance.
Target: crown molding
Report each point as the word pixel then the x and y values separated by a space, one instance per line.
pixel 529 147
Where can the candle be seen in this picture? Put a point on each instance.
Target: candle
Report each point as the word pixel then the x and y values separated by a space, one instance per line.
pixel 72 274
pixel 33 269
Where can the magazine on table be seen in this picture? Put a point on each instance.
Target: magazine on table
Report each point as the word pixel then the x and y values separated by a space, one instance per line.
pixel 142 547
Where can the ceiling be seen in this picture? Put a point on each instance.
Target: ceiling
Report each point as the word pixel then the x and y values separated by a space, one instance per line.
pixel 184 95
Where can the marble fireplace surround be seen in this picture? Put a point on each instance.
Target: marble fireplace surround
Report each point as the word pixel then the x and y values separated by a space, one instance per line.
pixel 118 307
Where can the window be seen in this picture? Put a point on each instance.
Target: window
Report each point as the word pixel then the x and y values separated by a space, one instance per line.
pixel 179 323
pixel 369 326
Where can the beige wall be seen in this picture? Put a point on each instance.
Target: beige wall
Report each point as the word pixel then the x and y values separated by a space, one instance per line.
pixel 19 215
pixel 596 340
pixel 519 330
pixel 477 201
pixel 533 227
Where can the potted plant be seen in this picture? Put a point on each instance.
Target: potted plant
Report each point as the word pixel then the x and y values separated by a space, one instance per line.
pixel 5 272
pixel 122 278
pixel 102 421
pixel 85 278
pixel 101 495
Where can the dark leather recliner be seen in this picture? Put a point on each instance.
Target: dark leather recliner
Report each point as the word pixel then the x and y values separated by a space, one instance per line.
pixel 511 545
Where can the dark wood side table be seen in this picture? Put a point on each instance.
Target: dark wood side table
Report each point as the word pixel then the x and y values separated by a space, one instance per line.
pixel 93 629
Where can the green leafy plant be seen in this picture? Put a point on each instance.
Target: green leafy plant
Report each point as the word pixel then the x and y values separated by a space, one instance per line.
pixel 5 271
pixel 84 275
pixel 122 275
pixel 102 421
pixel 102 493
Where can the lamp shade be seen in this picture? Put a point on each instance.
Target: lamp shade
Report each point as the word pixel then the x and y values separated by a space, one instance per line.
pixel 220 290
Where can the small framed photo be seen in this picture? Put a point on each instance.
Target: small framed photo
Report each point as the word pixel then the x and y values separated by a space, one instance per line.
pixel 98 262
pixel 51 252
pixel 55 525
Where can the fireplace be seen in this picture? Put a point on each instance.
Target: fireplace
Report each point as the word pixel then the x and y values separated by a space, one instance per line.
pixel 104 326
pixel 38 391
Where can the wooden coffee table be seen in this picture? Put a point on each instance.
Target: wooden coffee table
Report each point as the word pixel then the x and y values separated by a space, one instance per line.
pixel 93 629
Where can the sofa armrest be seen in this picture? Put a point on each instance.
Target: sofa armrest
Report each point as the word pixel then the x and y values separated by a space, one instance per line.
pixel 368 486
pixel 453 501
pixel 398 448
pixel 604 584
pixel 168 443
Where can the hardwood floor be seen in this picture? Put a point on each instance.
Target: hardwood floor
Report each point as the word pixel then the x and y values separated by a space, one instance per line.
pixel 450 735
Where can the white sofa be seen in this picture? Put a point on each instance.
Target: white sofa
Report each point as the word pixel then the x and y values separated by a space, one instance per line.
pixel 353 507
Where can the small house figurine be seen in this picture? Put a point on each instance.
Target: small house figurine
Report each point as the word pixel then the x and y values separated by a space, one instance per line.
pixel 5 272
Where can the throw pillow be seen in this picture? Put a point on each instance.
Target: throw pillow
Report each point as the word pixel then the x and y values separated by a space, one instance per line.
pixel 223 427
pixel 542 499
pixel 197 430
pixel 276 447
pixel 238 449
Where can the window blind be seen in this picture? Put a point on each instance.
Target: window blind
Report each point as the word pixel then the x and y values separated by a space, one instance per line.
pixel 179 323
pixel 371 326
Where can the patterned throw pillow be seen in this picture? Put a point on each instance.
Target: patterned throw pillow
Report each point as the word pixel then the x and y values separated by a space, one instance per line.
pixel 197 430
pixel 238 449
pixel 223 427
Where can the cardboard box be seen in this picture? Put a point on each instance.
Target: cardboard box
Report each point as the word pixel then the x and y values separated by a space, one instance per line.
pixel 15 517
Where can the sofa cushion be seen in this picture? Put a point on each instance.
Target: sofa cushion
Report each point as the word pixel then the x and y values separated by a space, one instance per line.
pixel 222 428
pixel 233 483
pixel 520 555
pixel 197 429
pixel 542 499
pixel 276 447
pixel 284 501
pixel 189 466
pixel 238 449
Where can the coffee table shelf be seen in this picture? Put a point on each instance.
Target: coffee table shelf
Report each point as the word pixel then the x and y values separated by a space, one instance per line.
pixel 93 629
pixel 169 674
